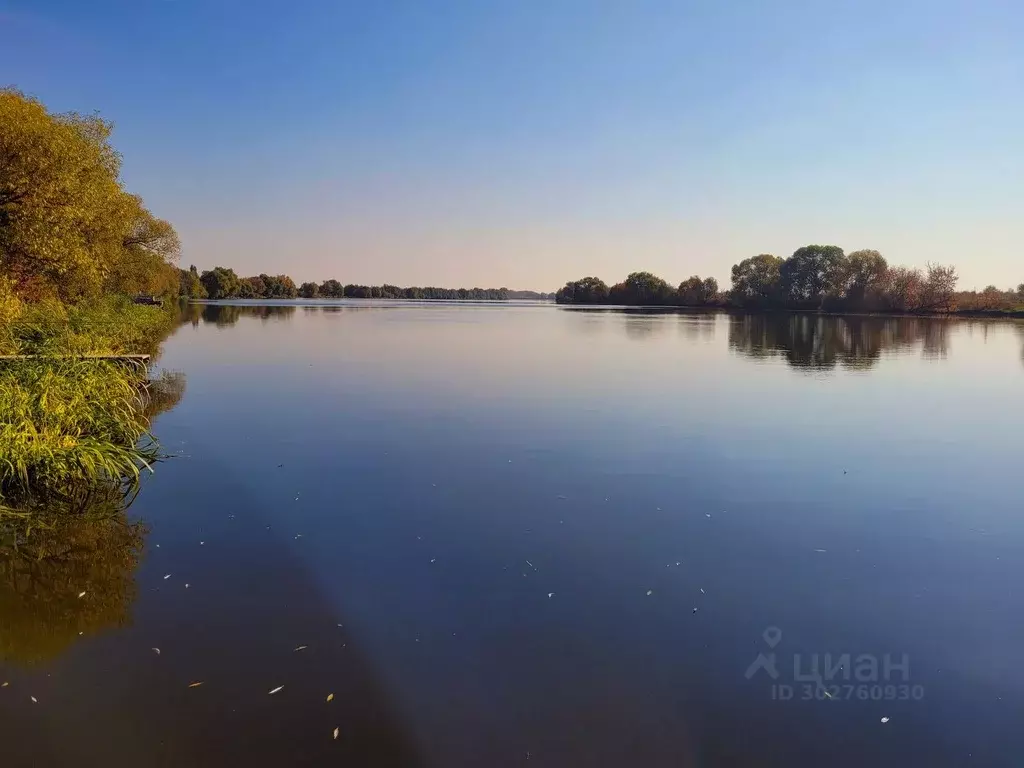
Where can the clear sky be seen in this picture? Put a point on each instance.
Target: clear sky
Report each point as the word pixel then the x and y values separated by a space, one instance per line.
pixel 525 143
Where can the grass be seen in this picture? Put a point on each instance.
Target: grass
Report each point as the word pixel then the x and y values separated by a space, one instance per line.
pixel 69 423
pixel 70 426
pixel 110 326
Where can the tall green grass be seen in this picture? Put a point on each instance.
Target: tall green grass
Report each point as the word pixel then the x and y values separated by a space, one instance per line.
pixel 109 326
pixel 70 425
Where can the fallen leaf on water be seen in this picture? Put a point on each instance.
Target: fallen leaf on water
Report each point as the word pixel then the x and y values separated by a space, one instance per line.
pixel 195 685
pixel 330 697
pixel 336 733
pixel 279 688
pixel 81 594
pixel 302 648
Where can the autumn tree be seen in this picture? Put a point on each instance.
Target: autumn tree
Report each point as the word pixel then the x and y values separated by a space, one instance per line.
pixel 309 290
pixel 67 227
pixel 939 291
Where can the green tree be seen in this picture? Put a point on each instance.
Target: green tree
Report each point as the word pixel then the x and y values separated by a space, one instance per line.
pixel 332 289
pixel 221 283
pixel 589 290
pixel 755 281
pixel 865 277
pixel 252 288
pixel 189 284
pixel 812 273
pixel 642 289
pixel 309 290
pixel 278 287
pixel 695 292
pixel 67 227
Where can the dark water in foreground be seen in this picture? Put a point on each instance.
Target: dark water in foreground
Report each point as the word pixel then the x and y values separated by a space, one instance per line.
pixel 531 535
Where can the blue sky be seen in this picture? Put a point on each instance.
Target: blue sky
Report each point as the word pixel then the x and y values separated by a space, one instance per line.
pixel 528 143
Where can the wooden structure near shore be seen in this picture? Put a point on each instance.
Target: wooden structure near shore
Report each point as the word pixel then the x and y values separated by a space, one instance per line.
pixel 132 359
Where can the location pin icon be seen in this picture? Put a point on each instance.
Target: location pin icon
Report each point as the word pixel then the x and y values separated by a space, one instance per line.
pixel 772 635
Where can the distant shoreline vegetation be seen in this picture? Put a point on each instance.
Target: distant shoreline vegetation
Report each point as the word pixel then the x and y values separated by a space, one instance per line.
pixel 816 277
pixel 223 283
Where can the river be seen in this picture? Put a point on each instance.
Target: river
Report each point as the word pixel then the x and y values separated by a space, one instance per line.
pixel 513 534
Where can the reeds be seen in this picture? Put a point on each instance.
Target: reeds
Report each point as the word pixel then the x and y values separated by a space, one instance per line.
pixel 67 423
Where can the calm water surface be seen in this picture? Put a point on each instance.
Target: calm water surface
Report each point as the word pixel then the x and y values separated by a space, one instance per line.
pixel 509 535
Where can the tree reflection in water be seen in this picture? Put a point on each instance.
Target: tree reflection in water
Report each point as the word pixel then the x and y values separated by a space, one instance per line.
pixel 67 562
pixel 226 315
pixel 823 342
pixel 71 574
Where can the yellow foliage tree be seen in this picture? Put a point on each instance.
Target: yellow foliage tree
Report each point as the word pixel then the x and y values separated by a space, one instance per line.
pixel 68 229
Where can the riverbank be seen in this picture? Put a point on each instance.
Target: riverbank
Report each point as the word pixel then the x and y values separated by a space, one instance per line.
pixel 76 409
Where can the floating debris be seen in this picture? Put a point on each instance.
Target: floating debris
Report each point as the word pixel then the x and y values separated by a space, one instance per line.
pixel 702 590
pixel 81 595
pixel 819 550
pixel 677 562
pixel 695 610
pixel 155 650
pixel 330 697
pixel 650 592
pixel 550 595
pixel 336 733
pixel 195 684
pixel 4 685
pixel 201 543
pixel 276 690
pixel 186 585
pixel 707 514
pixel 302 648
pixel 167 577
pixel 433 559
pixel 531 565
pixel 36 701
pixel 885 719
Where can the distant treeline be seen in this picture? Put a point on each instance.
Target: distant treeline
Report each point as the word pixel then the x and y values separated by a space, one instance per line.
pixel 818 277
pixel 223 283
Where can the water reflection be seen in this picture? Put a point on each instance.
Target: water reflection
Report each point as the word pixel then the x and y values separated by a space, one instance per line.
pixel 71 575
pixel 816 342
pixel 67 562
pixel 226 315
